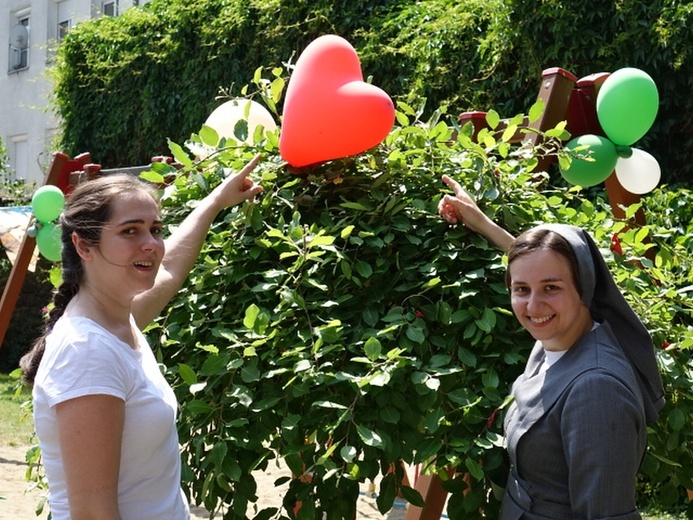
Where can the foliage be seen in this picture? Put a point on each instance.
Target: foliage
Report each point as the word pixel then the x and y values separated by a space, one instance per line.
pixel 28 317
pixel 4 163
pixel 125 84
pixel 16 427
pixel 339 325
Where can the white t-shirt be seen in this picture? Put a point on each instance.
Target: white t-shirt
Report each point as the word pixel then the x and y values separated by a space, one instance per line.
pixel 82 358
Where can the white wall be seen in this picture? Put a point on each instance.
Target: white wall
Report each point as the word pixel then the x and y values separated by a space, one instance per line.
pixel 28 125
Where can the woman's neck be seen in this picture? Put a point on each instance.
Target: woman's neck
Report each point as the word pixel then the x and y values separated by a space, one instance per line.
pixel 111 314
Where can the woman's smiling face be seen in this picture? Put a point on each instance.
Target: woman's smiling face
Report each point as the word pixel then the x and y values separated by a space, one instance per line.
pixel 546 301
pixel 131 245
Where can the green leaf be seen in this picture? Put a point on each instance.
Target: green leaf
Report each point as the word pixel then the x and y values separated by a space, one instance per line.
pixel 463 397
pixel 467 357
pixel 388 493
pixel 372 348
pixel 364 269
pixel 492 119
pixel 218 453
pixel 321 241
pixel 209 136
pixel 369 437
pixel 250 373
pixel 251 314
pixel 276 89
pixel 474 468
pixel 416 334
pixel 677 419
pixel 490 378
pixel 536 110
pixel 412 496
pixel 348 453
pixel 508 133
pixel 187 373
pixel 152 176
pixel 197 407
pixel 487 321
pixel 390 415
pixel 240 130
pixel 215 364
pixel 346 232
pixel 179 154
pixel 355 206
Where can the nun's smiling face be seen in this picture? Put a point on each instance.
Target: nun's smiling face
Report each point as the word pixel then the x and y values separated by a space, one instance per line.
pixel 546 301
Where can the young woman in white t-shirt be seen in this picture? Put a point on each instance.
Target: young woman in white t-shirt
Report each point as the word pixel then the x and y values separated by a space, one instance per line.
pixel 104 414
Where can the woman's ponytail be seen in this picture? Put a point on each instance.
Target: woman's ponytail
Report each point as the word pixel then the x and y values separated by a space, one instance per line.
pixel 88 209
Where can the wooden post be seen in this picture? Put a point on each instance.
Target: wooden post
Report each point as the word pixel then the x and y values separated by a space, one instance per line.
pixel 556 88
pixel 431 489
pixel 58 175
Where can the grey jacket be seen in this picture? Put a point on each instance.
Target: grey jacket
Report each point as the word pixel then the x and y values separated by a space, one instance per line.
pixel 576 435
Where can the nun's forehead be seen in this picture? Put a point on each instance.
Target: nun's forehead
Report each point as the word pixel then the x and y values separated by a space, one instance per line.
pixel 577 240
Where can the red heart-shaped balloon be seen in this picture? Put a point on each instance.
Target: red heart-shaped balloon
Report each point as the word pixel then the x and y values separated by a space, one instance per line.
pixel 329 111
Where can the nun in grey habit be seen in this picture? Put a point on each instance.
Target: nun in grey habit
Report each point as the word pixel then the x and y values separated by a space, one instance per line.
pixel 576 431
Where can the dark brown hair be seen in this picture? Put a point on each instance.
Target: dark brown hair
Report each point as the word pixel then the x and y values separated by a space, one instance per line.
pixel 538 239
pixel 86 211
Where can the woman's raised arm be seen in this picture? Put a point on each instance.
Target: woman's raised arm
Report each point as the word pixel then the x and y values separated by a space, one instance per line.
pixel 460 207
pixel 185 243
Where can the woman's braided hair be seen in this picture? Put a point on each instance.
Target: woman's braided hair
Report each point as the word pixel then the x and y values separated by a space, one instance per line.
pixel 86 212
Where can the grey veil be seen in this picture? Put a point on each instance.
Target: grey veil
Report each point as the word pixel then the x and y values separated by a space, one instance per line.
pixel 606 303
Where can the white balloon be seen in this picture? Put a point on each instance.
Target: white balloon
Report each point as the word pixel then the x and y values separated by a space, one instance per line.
pixel 640 173
pixel 224 118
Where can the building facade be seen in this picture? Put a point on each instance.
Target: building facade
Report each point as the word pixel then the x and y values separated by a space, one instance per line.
pixel 31 29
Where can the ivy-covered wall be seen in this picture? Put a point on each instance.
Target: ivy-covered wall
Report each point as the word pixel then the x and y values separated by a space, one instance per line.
pixel 124 85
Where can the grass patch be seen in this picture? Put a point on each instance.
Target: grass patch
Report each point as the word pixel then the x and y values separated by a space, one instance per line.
pixel 17 425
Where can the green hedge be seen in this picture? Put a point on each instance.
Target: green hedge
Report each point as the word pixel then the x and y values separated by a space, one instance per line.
pixel 123 85
pixel 339 325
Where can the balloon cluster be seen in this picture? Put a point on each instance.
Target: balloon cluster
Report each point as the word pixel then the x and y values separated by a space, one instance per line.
pixel 329 111
pixel 47 204
pixel 627 105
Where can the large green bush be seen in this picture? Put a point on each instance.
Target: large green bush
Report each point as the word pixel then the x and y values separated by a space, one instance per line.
pixel 125 84
pixel 339 325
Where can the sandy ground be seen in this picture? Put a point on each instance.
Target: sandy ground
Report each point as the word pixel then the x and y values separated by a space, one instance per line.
pixel 17 504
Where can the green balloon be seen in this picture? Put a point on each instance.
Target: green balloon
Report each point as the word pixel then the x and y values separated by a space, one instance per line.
pixel 627 105
pixel 48 242
pixel 592 165
pixel 47 203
